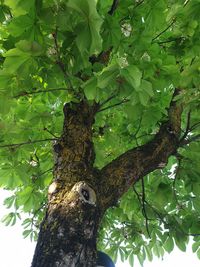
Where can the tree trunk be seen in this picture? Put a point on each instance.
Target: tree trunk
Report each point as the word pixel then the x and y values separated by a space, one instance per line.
pixel 80 194
pixel 68 233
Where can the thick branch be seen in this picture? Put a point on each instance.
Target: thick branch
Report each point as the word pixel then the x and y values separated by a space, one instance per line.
pixel 74 151
pixel 121 173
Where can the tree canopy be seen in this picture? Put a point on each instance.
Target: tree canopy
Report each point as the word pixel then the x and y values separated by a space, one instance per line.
pixel 128 58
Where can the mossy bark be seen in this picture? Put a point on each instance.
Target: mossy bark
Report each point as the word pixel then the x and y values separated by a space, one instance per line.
pixel 80 194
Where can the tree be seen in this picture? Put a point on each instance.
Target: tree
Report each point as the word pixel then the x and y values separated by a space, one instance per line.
pixel 100 100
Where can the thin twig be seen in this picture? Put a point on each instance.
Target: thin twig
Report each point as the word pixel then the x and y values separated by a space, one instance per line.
pixel 173 21
pixel 44 172
pixel 138 129
pixel 45 129
pixel 192 139
pixel 138 4
pixel 135 191
pixel 178 167
pixel 142 203
pixel 39 91
pixel 59 60
pixel 28 142
pixel 194 126
pixel 9 12
pixel 113 7
pixel 187 130
pixel 170 40
pixel 186 2
pixel 114 105
pixel 107 100
pixel 128 16
pixel 160 217
pixel 144 208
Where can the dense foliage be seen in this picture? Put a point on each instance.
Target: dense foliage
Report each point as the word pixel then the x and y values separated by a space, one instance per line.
pixel 128 56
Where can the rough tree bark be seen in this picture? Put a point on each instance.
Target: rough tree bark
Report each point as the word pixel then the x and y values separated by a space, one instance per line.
pixel 80 194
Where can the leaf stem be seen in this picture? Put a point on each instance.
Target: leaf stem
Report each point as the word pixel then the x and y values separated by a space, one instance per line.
pixel 24 93
pixel 28 142
pixel 156 37
pixel 113 7
pixel 114 105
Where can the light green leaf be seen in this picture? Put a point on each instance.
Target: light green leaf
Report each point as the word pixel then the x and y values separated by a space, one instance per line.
pixel 9 201
pixel 20 6
pixel 90 88
pixel 26 233
pixel 131 259
pixel 33 48
pixel 132 75
pixel 88 32
pixel 180 241
pixel 195 246
pixel 169 244
pixel 149 253
pixel 16 58
pixel 21 25
pixel 9 219
pixel 146 86
pixel 144 98
pixel 108 76
pixel 5 78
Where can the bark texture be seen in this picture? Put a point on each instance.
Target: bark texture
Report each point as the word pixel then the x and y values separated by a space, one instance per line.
pixel 80 194
pixel 69 230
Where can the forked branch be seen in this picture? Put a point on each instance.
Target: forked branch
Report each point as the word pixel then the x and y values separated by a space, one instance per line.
pixel 134 164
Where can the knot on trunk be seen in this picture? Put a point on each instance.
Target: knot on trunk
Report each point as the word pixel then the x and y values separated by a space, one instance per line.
pixel 85 192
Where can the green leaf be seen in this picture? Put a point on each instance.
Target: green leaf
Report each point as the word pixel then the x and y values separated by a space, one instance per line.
pixel 144 98
pixel 131 259
pixel 111 32
pixel 28 199
pixel 17 59
pixel 198 254
pixel 90 88
pixel 108 76
pixel 149 253
pixel 9 219
pixel 132 75
pixel 21 25
pixel 88 32
pixel 169 244
pixel 195 246
pixel 5 78
pixel 163 194
pixel 180 241
pixel 33 48
pixel 156 250
pixel 26 233
pixel 146 87
pixel 20 6
pixel 8 202
pixel 140 258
